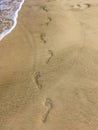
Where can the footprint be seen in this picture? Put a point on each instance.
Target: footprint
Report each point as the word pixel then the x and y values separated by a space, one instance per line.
pixel 36 77
pixel 42 37
pixel 44 8
pixel 49 20
pixel 49 105
pixel 51 55
pixel 81 6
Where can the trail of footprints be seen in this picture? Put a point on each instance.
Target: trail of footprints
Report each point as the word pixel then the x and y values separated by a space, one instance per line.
pixel 43 35
pixel 43 39
pixel 82 6
pixel 48 104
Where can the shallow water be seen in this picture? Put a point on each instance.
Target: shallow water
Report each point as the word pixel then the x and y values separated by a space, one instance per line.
pixel 8 15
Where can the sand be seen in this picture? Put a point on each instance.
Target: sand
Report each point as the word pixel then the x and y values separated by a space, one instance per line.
pixel 49 67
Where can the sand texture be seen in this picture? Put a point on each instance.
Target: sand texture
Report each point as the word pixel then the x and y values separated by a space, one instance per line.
pixel 49 67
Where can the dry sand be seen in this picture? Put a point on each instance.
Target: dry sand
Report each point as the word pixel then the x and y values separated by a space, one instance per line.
pixel 49 67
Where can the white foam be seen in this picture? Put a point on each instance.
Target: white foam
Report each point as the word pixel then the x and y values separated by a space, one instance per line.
pixel 6 32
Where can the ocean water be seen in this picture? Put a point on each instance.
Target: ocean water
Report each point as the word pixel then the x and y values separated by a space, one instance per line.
pixel 8 15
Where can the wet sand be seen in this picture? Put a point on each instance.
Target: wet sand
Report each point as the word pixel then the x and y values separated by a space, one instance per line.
pixel 49 68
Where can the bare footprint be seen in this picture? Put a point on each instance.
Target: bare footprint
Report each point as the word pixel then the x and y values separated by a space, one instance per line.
pixel 51 55
pixel 81 6
pixel 36 77
pixel 49 20
pixel 44 8
pixel 48 104
pixel 42 37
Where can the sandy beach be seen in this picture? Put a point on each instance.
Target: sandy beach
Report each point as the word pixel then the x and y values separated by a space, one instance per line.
pixel 49 67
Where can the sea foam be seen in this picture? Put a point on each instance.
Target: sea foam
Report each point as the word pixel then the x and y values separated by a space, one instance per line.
pixel 8 15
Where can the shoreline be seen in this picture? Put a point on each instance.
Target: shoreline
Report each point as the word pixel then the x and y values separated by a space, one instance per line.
pixel 6 32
